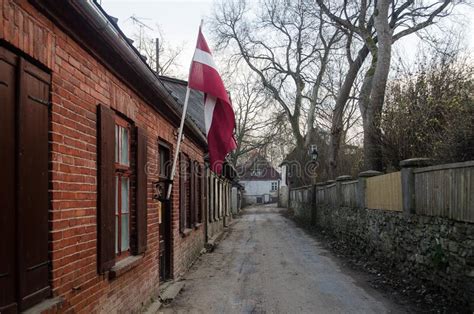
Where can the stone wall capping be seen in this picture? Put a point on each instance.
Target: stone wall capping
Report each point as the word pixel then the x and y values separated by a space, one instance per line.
pixel 321 183
pixel 416 162
pixel 330 182
pixel 344 178
pixel 369 173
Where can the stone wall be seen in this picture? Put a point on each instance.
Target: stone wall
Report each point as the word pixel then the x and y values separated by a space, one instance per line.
pixel 301 203
pixel 419 222
pixel 435 249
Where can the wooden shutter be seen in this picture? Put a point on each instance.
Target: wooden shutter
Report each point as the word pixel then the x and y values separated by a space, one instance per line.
pixel 32 201
pixel 192 192
pixel 142 191
pixel 219 195
pixel 205 194
pixel 216 197
pixel 182 193
pixel 7 184
pixel 210 197
pixel 106 206
pixel 199 194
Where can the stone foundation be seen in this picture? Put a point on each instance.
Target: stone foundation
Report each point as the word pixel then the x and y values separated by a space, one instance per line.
pixel 433 249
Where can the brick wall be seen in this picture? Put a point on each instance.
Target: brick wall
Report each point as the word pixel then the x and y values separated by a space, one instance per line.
pixel 79 84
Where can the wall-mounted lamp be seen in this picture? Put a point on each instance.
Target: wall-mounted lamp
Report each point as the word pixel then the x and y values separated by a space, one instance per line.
pixel 160 189
pixel 175 133
pixel 313 152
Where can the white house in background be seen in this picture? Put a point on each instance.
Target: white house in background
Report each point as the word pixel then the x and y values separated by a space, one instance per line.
pixel 260 180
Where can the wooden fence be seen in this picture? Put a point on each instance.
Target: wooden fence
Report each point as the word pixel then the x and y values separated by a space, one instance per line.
pixel 301 201
pixel 444 190
pixel 384 192
pixel 349 193
pixel 330 194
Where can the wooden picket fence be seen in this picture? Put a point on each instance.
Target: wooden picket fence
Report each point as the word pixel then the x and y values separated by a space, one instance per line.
pixel 443 190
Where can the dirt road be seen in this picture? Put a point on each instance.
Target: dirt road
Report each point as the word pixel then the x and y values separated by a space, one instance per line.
pixel 266 264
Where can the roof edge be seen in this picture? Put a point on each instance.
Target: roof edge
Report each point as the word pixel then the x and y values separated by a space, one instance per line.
pixel 97 32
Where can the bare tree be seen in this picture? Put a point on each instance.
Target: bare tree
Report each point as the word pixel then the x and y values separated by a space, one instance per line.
pixel 288 46
pixel 253 125
pixel 378 24
pixel 343 95
pixel 159 54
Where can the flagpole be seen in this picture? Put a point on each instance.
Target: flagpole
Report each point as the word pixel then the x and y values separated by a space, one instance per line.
pixel 178 145
pixel 180 136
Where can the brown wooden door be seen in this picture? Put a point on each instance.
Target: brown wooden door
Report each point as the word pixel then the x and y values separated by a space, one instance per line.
pixel 33 119
pixel 165 222
pixel 7 184
pixel 24 154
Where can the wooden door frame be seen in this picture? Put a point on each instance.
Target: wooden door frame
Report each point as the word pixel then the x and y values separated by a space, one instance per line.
pixel 166 219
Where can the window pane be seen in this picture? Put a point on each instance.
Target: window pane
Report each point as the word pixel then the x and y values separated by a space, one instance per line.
pixel 125 235
pixel 116 234
pixel 125 194
pixel 117 189
pixel 124 147
pixel 162 162
pixel 117 129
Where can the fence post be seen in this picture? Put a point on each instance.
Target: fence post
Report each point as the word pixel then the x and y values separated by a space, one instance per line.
pixel 327 201
pixel 339 195
pixel 362 185
pixel 408 182
pixel 313 204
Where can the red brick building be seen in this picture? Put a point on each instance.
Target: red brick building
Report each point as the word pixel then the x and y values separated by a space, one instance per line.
pixel 86 129
pixel 217 202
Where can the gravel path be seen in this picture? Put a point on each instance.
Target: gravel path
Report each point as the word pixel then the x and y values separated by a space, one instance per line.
pixel 266 264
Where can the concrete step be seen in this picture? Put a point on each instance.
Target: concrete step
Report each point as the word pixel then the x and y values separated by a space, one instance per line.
pixel 171 291
pixel 153 308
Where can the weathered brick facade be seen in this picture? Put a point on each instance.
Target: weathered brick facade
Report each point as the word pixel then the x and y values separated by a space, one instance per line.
pixel 79 83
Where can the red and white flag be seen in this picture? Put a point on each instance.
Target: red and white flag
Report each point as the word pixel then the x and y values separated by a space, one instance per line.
pixel 218 113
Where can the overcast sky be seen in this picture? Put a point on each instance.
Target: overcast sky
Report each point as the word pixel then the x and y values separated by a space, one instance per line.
pixel 179 21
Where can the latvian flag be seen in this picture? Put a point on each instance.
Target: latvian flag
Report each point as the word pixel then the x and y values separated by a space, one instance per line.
pixel 218 114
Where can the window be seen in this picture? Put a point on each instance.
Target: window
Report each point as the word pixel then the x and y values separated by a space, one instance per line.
pixel 164 215
pixel 218 194
pixel 191 178
pixel 274 186
pixel 122 186
pixel 164 161
pixel 211 196
pixel 215 197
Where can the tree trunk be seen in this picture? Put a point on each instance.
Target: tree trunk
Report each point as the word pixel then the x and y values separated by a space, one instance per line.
pixel 365 111
pixel 338 114
pixel 382 58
